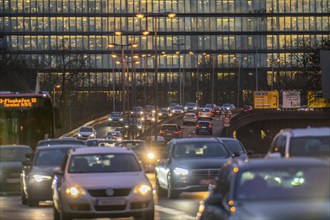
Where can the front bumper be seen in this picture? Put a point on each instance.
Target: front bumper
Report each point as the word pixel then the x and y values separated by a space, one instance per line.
pixel 40 191
pixel 98 206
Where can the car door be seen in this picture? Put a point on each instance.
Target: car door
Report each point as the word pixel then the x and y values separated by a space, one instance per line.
pixel 163 166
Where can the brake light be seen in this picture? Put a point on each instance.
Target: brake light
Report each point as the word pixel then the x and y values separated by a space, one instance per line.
pixel 162 132
pixel 176 132
pixel 210 126
pixel 198 126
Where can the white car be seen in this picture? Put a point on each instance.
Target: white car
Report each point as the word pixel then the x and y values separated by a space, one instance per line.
pixel 301 142
pixel 190 118
pixel 86 132
pixel 102 182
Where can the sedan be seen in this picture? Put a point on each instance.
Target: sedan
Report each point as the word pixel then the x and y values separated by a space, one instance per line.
pixel 204 127
pixel 11 158
pixel 86 132
pixel 102 182
pixel 37 175
pixel 295 188
pixel 190 118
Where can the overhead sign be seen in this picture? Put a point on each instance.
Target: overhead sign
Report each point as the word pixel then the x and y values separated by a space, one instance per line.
pixel 291 99
pixel 316 100
pixel 266 99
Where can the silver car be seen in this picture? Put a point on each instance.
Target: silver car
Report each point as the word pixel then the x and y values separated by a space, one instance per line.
pixel 102 182
pixel 190 118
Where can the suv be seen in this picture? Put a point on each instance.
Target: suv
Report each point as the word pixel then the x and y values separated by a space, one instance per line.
pixel 169 131
pixel 189 165
pixel 301 142
pixel 102 182
pixel 116 118
pixel 86 132
pixel 190 107
pixel 204 127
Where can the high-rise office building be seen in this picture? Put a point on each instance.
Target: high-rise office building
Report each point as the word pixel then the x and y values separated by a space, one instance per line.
pixel 211 51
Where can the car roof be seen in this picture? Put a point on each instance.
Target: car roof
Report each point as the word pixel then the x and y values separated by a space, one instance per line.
pixel 300 132
pixel 61 146
pixel 195 139
pixel 283 162
pixel 99 150
pixel 14 146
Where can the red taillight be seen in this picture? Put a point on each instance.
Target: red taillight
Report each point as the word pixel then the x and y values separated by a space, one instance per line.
pixel 210 126
pixel 198 126
pixel 195 117
pixel 175 132
pixel 162 132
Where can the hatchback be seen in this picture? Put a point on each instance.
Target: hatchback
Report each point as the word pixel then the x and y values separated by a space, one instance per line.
pixel 86 132
pixel 169 131
pixel 102 182
pixel 190 118
pixel 204 127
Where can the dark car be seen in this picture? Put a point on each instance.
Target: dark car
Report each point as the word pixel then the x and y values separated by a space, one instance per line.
pixel 246 108
pixel 11 158
pixel 190 165
pixel 100 142
pixel 234 146
pixel 164 113
pixel 291 188
pixel 116 118
pixel 169 131
pixel 37 175
pixel 204 127
pixel 60 141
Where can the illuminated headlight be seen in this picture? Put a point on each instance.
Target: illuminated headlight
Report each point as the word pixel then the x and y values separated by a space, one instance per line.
pixel 126 126
pixel 141 113
pixel 132 112
pixel 121 119
pixel 79 135
pixel 151 155
pixel 92 135
pixel 153 119
pixel 110 119
pixel 173 111
pixel 160 114
pixel 75 191
pixel 139 126
pixel 142 119
pixel 185 108
pixel 39 178
pixel 195 108
pixel 153 111
pixel 180 171
pixel 143 189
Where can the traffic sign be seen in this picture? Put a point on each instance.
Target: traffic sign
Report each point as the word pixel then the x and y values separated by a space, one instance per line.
pixel 266 99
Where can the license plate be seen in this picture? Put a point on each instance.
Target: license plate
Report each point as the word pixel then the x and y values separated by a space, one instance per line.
pixel 169 133
pixel 14 180
pixel 204 127
pixel 110 202
pixel 206 181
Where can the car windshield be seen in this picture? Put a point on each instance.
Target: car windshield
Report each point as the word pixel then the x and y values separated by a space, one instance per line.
pixel 170 128
pixel 104 163
pixel 310 146
pixel 199 150
pixel 204 123
pixel 50 157
pixel 133 145
pixel 100 143
pixel 234 146
pixel 283 183
pixel 11 154
pixel 86 129
pixel 57 142
pixel 116 114
pixel 191 104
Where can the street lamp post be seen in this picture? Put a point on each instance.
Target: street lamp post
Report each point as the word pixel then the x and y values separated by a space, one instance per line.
pixel 239 61
pixel 56 86
pixel 273 61
pixel 181 92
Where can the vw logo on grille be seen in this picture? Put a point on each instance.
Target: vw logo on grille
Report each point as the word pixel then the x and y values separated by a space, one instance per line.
pixel 109 192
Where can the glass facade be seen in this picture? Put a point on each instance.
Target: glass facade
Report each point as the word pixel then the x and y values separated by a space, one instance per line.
pixel 208 43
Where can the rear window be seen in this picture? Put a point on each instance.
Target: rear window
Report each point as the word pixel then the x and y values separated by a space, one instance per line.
pixel 310 146
pixel 170 128
pixel 14 154
pixel 204 123
pixel 50 157
pixel 103 163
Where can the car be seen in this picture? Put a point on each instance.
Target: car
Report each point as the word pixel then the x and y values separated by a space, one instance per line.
pixel 164 113
pixel 246 108
pixel 11 158
pixel 116 118
pixel 292 188
pixel 190 118
pixel 169 131
pixel 300 142
pixel 37 175
pixel 235 147
pixel 102 182
pixel 213 108
pixel 190 107
pixel 144 151
pixel 150 109
pixel 204 127
pixel 86 132
pixel 149 117
pixel 137 111
pixel 114 135
pixel 204 113
pixel 178 109
pixel 134 125
pixel 172 105
pixel 61 140
pixel 189 165
pixel 228 106
pixel 101 142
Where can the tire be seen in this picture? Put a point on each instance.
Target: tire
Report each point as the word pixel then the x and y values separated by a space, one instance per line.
pixel 171 193
pixel 23 197
pixel 32 202
pixel 160 191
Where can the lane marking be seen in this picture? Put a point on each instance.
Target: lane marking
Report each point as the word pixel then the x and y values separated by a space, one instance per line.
pixel 174 212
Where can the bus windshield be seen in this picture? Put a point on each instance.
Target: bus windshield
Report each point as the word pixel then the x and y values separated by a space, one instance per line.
pixel 25 118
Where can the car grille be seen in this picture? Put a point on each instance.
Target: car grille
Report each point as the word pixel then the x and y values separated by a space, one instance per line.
pixel 205 173
pixel 14 175
pixel 110 208
pixel 102 193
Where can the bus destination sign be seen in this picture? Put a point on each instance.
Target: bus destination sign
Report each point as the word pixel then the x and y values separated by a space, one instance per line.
pixel 26 102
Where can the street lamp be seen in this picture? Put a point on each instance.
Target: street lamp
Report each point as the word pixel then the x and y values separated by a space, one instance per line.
pixel 181 90
pixel 239 60
pixel 56 86
pixel 272 61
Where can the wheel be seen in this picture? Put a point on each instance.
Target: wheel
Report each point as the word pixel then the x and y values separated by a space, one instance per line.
pixel 171 193
pixel 23 197
pixel 160 191
pixel 56 214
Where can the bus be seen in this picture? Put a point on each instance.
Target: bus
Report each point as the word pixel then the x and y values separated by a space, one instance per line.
pixel 26 118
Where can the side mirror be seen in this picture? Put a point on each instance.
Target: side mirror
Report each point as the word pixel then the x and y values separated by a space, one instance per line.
pixel 27 163
pixel 29 155
pixel 236 154
pixel 58 171
pixel 250 152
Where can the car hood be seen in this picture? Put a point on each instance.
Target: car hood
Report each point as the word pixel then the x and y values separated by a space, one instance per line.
pixel 200 163
pixel 282 209
pixel 97 180
pixel 11 165
pixel 43 170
